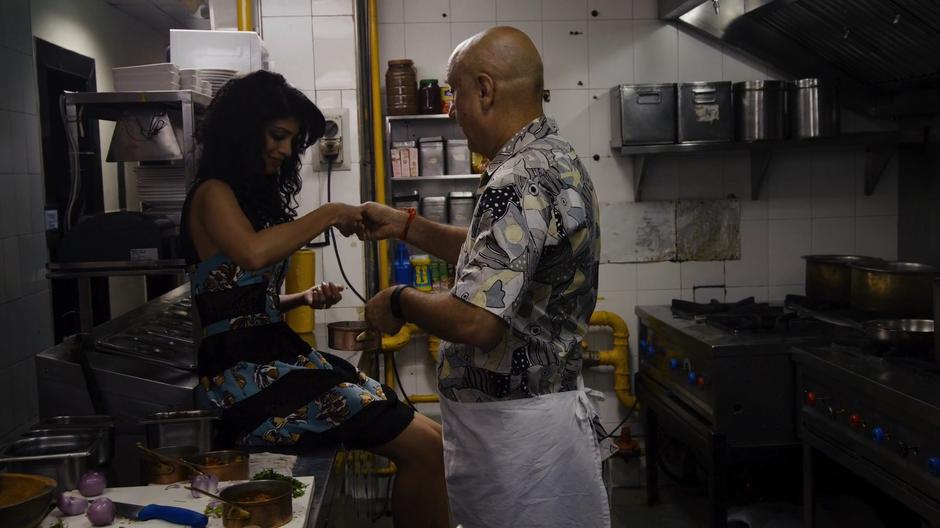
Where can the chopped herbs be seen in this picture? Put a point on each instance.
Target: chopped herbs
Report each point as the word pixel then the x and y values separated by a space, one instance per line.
pixel 297 486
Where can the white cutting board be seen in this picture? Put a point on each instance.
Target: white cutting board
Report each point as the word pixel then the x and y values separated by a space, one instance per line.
pixel 168 495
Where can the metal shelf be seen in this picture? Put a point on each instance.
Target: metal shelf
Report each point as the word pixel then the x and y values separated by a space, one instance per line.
pixel 439 178
pixel 880 147
pixel 417 117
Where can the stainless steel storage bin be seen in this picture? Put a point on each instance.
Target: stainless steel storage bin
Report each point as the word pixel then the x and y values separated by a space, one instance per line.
pixel 190 428
pixel 434 208
pixel 814 108
pixel 705 112
pixel 63 458
pixel 431 154
pixel 80 424
pixel 407 200
pixel 458 156
pixel 760 110
pixel 642 114
pixel 460 208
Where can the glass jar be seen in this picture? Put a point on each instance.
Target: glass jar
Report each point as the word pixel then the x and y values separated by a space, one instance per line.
pixel 401 90
pixel 429 97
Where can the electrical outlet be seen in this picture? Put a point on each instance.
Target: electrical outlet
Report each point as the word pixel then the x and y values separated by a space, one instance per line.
pixel 334 141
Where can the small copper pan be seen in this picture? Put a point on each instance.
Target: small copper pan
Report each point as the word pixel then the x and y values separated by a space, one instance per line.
pixel 352 336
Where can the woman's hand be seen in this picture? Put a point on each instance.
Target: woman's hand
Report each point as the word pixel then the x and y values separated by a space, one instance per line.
pixel 323 296
pixel 347 218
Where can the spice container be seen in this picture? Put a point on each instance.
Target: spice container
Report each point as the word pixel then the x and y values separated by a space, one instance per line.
pixel 447 98
pixel 407 200
pixel 458 156
pixel 401 90
pixel 431 154
pixel 429 97
pixel 421 265
pixel 460 208
pixel 434 208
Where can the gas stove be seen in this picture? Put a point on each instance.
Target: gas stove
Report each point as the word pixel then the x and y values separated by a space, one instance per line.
pixel 876 416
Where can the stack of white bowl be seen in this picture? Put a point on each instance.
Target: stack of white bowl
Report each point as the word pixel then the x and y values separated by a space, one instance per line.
pixel 147 77
pixel 191 79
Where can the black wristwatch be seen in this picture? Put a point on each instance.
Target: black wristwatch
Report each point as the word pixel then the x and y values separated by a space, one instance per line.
pixel 395 300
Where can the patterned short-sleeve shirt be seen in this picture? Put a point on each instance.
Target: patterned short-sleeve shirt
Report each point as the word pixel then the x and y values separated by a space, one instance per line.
pixel 531 258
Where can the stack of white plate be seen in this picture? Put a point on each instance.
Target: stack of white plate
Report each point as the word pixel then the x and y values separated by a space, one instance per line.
pixel 192 79
pixel 162 76
pixel 216 77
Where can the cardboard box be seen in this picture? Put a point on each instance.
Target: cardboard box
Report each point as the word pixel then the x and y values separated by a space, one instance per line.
pixel 396 163
pixel 413 160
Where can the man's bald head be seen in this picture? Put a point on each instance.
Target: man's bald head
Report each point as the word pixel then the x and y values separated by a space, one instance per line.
pixel 508 56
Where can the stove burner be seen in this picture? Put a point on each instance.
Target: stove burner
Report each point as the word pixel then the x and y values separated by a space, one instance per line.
pixel 690 310
pixel 744 316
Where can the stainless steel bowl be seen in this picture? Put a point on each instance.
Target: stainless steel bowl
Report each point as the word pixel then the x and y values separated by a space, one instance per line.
pixel 352 336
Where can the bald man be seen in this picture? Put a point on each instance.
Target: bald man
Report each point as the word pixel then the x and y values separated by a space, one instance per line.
pixel 519 446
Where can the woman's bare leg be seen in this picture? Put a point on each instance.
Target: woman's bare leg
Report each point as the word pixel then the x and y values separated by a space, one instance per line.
pixel 419 497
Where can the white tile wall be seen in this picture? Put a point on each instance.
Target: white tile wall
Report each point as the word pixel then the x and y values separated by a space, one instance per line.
pixel 290 44
pixel 334 52
pixel 811 201
pixel 513 10
pixel 284 8
pixel 332 7
pixel 611 9
pixel 473 10
pixel 427 10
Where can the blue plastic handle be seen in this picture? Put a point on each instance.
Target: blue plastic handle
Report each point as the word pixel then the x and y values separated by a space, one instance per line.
pixel 172 514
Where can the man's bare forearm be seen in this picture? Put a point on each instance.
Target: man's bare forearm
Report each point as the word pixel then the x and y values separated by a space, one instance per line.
pixel 442 241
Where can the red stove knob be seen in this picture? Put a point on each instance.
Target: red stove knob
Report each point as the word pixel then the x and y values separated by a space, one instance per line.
pixel 810 398
pixel 701 382
pixel 855 420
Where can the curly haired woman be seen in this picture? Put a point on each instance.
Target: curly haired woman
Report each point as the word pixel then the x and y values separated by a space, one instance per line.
pixel 239 227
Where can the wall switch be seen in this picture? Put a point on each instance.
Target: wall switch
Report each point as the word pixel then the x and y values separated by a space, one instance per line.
pixel 335 140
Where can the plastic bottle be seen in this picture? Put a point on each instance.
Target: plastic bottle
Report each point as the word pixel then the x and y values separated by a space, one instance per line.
pixel 422 275
pixel 402 272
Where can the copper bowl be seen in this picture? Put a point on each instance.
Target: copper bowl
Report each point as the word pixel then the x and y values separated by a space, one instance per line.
pixel 226 465
pixel 156 471
pixel 25 499
pixel 352 336
pixel 274 511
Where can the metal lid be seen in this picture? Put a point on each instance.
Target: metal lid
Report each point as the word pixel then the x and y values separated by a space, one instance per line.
pixel 412 195
pixel 811 82
pixel 431 139
pixel 428 82
pixel 433 199
pixel 760 85
pixel 914 268
pixel 841 259
pixel 705 83
pixel 400 62
pixel 456 141
pixel 460 195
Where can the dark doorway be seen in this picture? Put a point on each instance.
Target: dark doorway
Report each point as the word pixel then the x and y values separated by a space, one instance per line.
pixel 59 70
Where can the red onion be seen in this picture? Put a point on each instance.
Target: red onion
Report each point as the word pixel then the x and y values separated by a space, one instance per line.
pixel 101 512
pixel 92 483
pixel 70 504
pixel 208 483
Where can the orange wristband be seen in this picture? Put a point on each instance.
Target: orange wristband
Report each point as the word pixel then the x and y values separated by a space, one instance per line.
pixel 412 213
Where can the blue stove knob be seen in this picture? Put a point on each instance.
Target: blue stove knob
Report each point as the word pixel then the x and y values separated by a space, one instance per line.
pixel 693 377
pixel 878 435
pixel 642 344
pixel 674 363
pixel 650 349
pixel 933 466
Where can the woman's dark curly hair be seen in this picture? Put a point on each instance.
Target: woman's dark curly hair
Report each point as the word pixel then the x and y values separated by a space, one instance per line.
pixel 232 139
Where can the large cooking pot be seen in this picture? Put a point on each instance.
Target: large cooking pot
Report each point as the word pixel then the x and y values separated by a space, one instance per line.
pixel 760 110
pixel 166 470
pixel 894 288
pixel 227 465
pixel 352 336
pixel 268 503
pixel 829 278
pixel 814 108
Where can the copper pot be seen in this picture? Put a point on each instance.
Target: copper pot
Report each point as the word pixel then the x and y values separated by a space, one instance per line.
pixel 25 499
pixel 271 512
pixel 829 278
pixel 352 336
pixel 226 465
pixel 894 288
pixel 167 470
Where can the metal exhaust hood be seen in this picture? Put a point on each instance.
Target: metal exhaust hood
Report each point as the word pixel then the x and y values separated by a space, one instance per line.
pixel 146 134
pixel 886 53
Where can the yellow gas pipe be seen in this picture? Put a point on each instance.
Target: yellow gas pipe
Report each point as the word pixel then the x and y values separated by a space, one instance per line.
pixel 378 144
pixel 245 12
pixel 618 356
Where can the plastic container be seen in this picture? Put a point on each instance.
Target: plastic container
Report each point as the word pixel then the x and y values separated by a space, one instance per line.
pixel 422 272
pixel 429 97
pixel 447 98
pixel 401 89
pixel 402 272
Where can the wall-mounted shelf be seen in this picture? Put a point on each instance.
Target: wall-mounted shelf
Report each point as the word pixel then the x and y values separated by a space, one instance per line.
pixel 880 147
pixel 458 177
pixel 416 117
